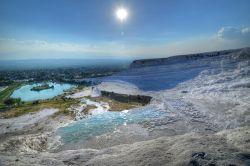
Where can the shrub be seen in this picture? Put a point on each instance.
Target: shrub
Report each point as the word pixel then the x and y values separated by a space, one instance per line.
pixel 35 102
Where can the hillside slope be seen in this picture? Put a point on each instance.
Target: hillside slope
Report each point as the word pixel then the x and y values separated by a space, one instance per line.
pixel 202 118
pixel 162 74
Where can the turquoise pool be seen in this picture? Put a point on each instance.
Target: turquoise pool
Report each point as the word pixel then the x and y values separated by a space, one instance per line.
pixel 26 94
pixel 85 129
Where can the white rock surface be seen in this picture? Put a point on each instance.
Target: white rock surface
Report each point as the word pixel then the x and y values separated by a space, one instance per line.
pixel 19 123
pixel 88 91
pixel 101 107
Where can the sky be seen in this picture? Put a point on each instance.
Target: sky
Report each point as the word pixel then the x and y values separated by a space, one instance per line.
pixel 89 29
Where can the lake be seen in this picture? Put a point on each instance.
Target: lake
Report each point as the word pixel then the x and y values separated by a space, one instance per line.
pixel 26 94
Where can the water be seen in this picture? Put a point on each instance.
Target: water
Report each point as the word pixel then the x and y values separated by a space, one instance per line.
pixel 95 125
pixel 26 94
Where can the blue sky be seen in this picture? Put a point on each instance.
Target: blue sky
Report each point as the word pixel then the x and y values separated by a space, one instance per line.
pixel 35 29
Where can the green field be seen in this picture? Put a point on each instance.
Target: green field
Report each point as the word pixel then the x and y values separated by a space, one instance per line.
pixel 27 107
pixel 5 94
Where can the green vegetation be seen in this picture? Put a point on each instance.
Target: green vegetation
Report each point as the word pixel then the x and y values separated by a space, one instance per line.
pixel 42 87
pixel 5 94
pixel 127 98
pixel 27 107
pixel 16 107
pixel 6 82
pixel 117 105
pixel 12 101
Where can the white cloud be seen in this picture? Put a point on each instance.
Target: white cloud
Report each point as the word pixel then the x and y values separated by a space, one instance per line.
pixel 25 49
pixel 232 33
pixel 185 47
pixel 245 30
pixel 225 38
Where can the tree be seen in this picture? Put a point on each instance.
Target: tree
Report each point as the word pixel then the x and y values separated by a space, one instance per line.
pixel 9 101
pixel 12 101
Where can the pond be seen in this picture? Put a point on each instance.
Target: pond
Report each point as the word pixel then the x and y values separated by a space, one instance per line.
pixel 77 133
pixel 26 94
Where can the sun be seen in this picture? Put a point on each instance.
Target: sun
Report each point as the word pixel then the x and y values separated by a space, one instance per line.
pixel 122 14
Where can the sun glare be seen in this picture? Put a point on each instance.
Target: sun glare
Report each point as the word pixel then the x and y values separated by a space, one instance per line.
pixel 122 14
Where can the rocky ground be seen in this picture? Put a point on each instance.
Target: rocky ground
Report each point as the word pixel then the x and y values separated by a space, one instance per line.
pixel 208 123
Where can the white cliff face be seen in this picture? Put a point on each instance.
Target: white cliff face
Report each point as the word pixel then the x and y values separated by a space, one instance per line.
pixel 179 59
pixel 160 76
